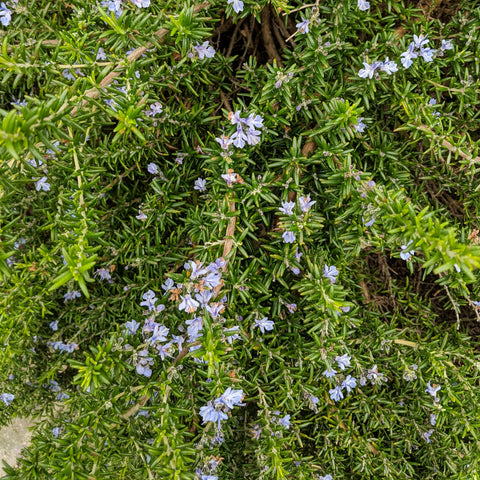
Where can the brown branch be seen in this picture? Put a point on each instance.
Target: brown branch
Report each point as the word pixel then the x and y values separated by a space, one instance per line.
pixel 268 41
pixel 446 144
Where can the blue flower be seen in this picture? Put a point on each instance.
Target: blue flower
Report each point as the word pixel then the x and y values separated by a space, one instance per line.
pixel 72 295
pixel 54 325
pixel 326 477
pixel 210 414
pixel 404 254
pixel 101 54
pixel 427 54
pixel 237 5
pixel 285 421
pixel 330 373
pixel 433 419
pixel 369 70
pixel 132 327
pixel 204 50
pixel 200 184
pixel 287 208
pixel 349 383
pixel 330 273
pixel 363 5
pixel 359 126
pixel 152 168
pixel 141 3
pixel 5 15
pixel 149 300
pixel 303 26
pixel 230 398
pixel 56 431
pixel 306 203
pixel 389 66
pixel 420 41
pixel 343 361
pixel 103 273
pixel 426 435
pixel 188 304
pixel 7 398
pixel 408 55
pixel 264 324
pixel 433 389
pixel 446 45
pixel 42 184
pixel 288 237
pixel 336 393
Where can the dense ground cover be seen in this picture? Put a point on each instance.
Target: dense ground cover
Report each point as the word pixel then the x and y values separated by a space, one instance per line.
pixel 240 239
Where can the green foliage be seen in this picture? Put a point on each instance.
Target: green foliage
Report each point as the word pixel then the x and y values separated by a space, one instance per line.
pixel 110 122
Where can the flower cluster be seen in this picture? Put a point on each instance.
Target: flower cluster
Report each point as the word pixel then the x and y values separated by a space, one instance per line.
pixel 218 410
pixel 63 347
pixel 7 398
pixel 246 133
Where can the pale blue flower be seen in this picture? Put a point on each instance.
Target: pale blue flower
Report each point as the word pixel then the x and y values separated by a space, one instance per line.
pixel 426 435
pixel 188 304
pixel 302 27
pixel 71 295
pixel 330 272
pixel 168 285
pixel 359 126
pixel 101 54
pixel 285 421
pixel 433 389
pixel 420 41
pixel 389 66
pixel 7 398
pixel 343 361
pixel 369 70
pixel 433 419
pixel 336 393
pixel 54 325
pixel 5 15
pixel 446 45
pixel 287 208
pixel 200 184
pixel 288 237
pixel 363 5
pixel 264 324
pixel 204 50
pixel 306 203
pixel 132 327
pixel 405 254
pixel 42 184
pixel 349 383
pixel 409 55
pixel 141 3
pixel 230 398
pixel 329 373
pixel 152 168
pixel 103 273
pixel 237 5
pixel 427 54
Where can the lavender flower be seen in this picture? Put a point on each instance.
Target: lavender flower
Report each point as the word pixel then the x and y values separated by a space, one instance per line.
pixel 188 304
pixel 349 383
pixel 42 184
pixel 359 126
pixel 72 295
pixel 237 5
pixel 302 27
pixel 264 324
pixel 336 393
pixel 331 273
pixel 7 398
pixel 288 237
pixel 433 389
pixel 363 5
pixel 132 327
pixel 404 254
pixel 200 184
pixel 306 203
pixel 409 55
pixel 329 373
pixel 343 361
pixel 369 70
pixel 287 208
pixel 5 15
pixel 204 50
